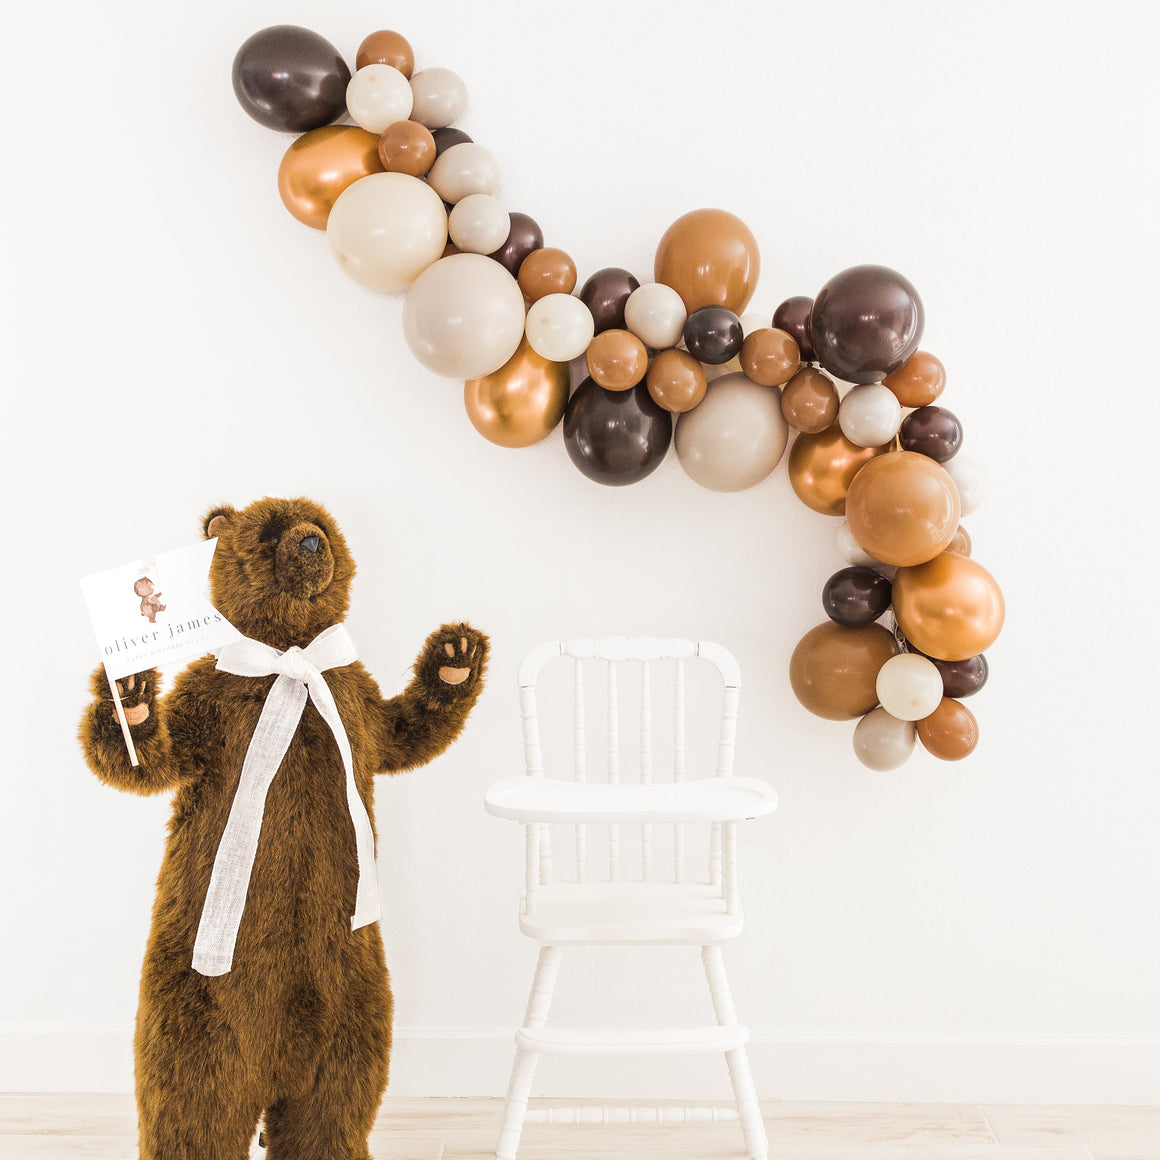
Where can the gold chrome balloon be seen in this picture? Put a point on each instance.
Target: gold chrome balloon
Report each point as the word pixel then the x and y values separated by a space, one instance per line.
pixel 950 608
pixel 519 404
pixel 320 165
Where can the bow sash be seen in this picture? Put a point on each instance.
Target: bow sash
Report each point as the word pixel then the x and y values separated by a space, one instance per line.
pixel 299 677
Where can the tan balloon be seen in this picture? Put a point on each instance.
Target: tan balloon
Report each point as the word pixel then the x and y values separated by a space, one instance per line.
pixel 822 467
pixel 710 258
pixel 320 165
pixel 809 401
pixel 770 356
pixel 919 381
pixel 950 732
pixel 386 47
pixel 903 508
pixel 676 381
pixel 617 359
pixel 950 608
pixel 833 669
pixel 960 542
pixel 519 404
pixel 547 271
pixel 407 147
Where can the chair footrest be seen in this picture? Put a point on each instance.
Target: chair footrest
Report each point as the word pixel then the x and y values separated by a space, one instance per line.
pixel 630 1114
pixel 666 1041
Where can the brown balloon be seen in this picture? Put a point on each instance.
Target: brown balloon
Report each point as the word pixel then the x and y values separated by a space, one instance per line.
pixel 770 357
pixel 320 165
pixel 919 381
pixel 960 542
pixel 822 467
pixel 950 608
pixel 617 359
pixel 524 236
pixel 809 401
pixel 547 271
pixel 710 258
pixel 676 381
pixel 407 147
pixel 834 668
pixel 386 47
pixel 520 403
pixel 903 508
pixel 950 732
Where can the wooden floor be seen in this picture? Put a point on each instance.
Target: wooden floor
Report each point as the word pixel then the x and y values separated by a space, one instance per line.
pixel 64 1127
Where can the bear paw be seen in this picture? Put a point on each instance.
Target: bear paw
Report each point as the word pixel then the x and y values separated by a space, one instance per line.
pixel 453 662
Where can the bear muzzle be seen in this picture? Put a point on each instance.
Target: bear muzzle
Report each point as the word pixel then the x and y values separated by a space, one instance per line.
pixel 304 565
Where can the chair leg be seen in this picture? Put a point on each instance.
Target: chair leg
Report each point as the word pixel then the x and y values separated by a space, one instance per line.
pixel 524 1067
pixel 737 1060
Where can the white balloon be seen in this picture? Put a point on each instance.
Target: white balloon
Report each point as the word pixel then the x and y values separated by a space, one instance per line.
pixel 559 327
pixel 849 548
pixel 463 317
pixel 464 169
pixel 386 228
pixel 440 97
pixel 870 415
pixel 377 96
pixel 656 314
pixel 968 480
pixel 883 742
pixel 479 224
pixel 909 687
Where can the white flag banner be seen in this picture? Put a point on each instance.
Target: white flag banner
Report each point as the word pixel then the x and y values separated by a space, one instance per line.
pixel 156 610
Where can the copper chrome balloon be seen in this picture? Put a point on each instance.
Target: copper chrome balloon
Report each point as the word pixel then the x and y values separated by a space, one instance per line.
pixel 710 258
pixel 950 607
pixel 522 402
pixel 320 165
pixel 822 467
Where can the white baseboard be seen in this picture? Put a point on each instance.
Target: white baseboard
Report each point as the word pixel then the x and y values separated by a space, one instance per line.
pixel 453 1062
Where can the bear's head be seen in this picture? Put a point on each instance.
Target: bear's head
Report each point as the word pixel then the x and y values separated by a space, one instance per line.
pixel 143 587
pixel 281 572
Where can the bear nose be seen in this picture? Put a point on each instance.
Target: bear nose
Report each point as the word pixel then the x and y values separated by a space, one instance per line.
pixel 310 543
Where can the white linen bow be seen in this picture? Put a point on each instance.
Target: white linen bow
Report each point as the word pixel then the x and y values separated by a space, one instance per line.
pixel 299 676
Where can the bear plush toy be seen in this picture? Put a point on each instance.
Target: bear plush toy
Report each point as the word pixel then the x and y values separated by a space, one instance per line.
pixel 281 1008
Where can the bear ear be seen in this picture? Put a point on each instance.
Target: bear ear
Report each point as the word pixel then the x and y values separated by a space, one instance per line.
pixel 217 520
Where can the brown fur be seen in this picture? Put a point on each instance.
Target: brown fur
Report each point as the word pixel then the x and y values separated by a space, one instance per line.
pixel 300 1029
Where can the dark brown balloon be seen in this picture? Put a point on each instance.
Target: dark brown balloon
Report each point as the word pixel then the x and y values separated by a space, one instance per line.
pixel 291 79
pixel 932 431
pixel 855 596
pixel 809 401
pixel 793 316
pixel 714 335
pixel 676 380
pixel 407 147
pixel 448 136
pixel 822 467
pixel 523 237
pixel 962 678
pixel 770 356
pixel 950 732
pixel 920 380
pixel 617 359
pixel 865 323
pixel 547 271
pixel 834 669
pixel 605 294
pixel 616 437
pixel 386 47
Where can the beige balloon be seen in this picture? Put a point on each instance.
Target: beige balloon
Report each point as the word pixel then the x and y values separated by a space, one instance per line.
pixel 462 170
pixel 479 224
pixel 882 742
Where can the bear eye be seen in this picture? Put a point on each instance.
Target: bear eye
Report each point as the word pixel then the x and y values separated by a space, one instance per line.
pixel 271 533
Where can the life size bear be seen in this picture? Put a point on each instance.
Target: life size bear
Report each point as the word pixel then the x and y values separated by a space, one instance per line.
pixel 299 1030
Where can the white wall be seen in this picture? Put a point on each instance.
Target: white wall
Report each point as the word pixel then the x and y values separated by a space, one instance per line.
pixel 174 339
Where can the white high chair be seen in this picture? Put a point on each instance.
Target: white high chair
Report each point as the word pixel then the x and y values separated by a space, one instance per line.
pixel 647 907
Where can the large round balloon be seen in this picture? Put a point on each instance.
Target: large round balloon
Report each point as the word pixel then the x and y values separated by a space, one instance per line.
pixel 616 437
pixel 735 437
pixel 520 403
pixel 833 669
pixel 320 165
pixel 822 467
pixel 950 607
pixel 290 78
pixel 903 508
pixel 463 316
pixel 865 323
pixel 710 258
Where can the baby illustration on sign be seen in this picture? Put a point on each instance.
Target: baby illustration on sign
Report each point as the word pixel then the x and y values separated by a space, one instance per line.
pixel 150 601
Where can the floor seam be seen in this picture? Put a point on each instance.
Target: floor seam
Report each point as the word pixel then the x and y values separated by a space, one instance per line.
pixel 987 1122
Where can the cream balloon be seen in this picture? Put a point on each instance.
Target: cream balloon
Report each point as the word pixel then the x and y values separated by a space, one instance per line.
pixel 655 313
pixel 479 224
pixel 559 327
pixel 386 229
pixel 870 415
pixel 735 437
pixel 968 481
pixel 464 169
pixel 377 96
pixel 751 321
pixel 463 317
pixel 909 687
pixel 849 548
pixel 440 97
pixel 883 742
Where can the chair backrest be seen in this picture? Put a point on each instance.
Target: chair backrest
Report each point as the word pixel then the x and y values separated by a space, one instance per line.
pixel 615 679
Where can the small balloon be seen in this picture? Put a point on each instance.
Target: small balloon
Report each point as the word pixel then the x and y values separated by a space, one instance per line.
pixel 463 170
pixel 520 403
pixel 446 137
pixel 617 360
pixel 809 401
pixel 291 79
pixel 615 437
pixel 676 381
pixel 833 669
pixel 440 97
pixel 855 596
pixel 655 313
pixel 478 223
pixel 770 357
pixel 320 165
pixel 407 147
pixel 919 381
pixel 851 551
pixel 523 237
pixel 960 542
pixel 386 47
pixel 963 678
pixel 547 271
pixel 932 431
pixel 951 732
pixel 822 467
pixel 883 742
pixel 559 327
pixel 869 415
pixel 605 294
pixel 909 686
pixel 793 316
pixel 968 482
pixel 377 96
pixel 710 257
pixel 713 335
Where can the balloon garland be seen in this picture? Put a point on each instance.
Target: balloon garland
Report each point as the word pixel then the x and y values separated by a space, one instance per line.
pixel 408 204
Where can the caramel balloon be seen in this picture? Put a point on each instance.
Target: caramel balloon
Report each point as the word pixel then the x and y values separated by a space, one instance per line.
pixel 710 258
pixel 950 732
pixel 960 542
pixel 676 380
pixel 903 508
pixel 617 359
pixel 834 668
pixel 770 356
pixel 320 165
pixel 950 607
pixel 520 403
pixel 386 47
pixel 809 401
pixel 547 271
pixel 918 381
pixel 407 147
pixel 822 467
